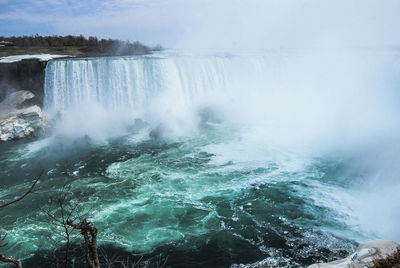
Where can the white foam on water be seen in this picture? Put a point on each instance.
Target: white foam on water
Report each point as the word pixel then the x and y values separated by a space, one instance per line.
pixel 291 106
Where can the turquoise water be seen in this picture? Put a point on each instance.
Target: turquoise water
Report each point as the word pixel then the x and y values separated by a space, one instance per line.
pixel 186 199
pixel 279 159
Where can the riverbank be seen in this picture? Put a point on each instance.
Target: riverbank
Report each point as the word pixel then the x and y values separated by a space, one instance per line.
pixel 375 254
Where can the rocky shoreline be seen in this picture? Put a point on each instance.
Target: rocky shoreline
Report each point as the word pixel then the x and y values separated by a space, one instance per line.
pixel 375 253
pixel 18 119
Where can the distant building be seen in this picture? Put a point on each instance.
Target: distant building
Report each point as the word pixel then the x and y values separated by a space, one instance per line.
pixel 6 44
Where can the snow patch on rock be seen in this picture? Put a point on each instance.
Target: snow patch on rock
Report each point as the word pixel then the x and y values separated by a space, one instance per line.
pixel 41 57
pixel 18 122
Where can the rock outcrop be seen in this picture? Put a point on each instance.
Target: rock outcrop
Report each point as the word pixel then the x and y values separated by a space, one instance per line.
pixel 366 255
pixel 23 75
pixel 18 121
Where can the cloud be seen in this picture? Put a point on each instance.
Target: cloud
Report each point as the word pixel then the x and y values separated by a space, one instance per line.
pixel 219 23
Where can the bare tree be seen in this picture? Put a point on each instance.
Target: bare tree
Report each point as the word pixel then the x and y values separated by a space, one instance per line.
pixel 87 228
pixel 60 210
pixel 16 262
pixel 63 213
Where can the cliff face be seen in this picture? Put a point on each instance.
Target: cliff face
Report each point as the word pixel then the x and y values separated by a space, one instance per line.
pixel 23 75
pixel 21 96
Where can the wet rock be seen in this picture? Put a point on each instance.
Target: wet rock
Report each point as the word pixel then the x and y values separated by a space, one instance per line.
pixel 365 255
pixel 157 132
pixel 138 125
pixel 18 121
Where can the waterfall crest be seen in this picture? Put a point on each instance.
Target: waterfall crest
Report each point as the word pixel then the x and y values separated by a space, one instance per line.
pixel 133 82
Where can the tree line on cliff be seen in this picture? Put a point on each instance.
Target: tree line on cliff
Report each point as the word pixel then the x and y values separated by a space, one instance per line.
pixel 90 46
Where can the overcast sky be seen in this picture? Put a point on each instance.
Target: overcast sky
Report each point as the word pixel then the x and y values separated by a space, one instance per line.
pixel 211 23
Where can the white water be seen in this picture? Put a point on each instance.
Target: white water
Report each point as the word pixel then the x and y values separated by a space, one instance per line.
pixel 320 97
pixel 310 104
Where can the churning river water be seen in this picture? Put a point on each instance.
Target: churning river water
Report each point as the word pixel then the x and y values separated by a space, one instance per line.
pixel 279 158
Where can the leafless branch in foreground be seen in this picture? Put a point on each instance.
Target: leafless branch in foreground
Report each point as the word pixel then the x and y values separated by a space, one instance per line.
pixel 61 209
pixel 16 262
pixel 87 228
pixel 4 259
pixel 31 190
pixel 2 238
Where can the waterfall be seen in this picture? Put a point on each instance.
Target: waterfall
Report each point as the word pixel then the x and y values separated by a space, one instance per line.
pixel 292 97
pixel 134 82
